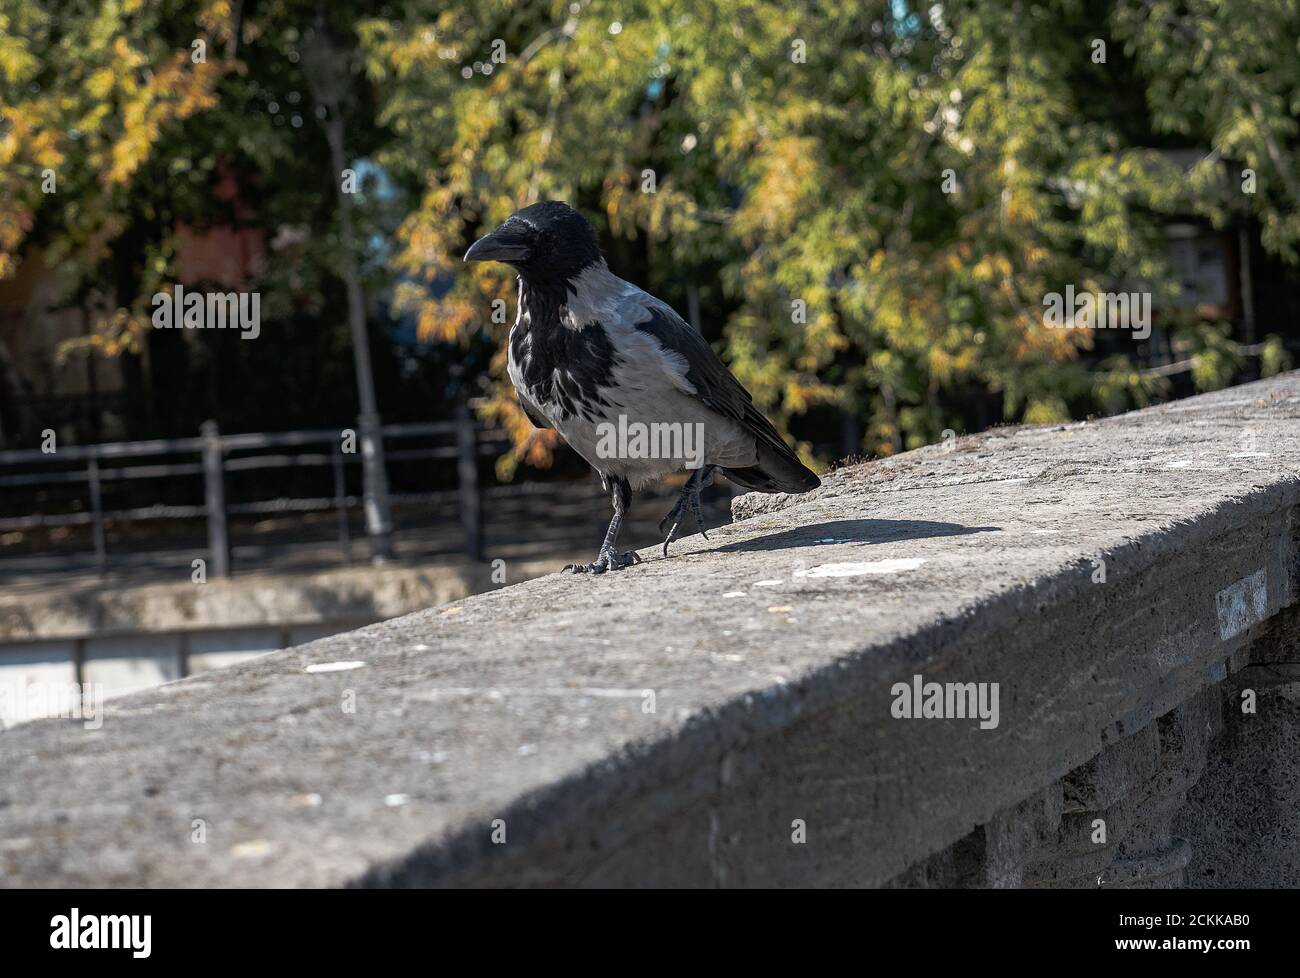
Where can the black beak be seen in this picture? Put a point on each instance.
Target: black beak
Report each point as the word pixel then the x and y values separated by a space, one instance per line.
pixel 500 245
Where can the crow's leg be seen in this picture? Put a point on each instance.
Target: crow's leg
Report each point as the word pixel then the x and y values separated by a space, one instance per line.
pixel 700 480
pixel 609 558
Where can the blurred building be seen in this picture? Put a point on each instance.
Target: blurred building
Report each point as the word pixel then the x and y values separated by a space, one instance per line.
pixel 80 396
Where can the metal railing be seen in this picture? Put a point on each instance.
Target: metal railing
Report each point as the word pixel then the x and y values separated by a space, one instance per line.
pixel 216 456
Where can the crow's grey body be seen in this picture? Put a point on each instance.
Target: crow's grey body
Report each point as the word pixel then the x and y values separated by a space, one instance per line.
pixel 646 382
pixel 591 354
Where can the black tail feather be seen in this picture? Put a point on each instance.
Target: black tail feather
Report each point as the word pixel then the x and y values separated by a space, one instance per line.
pixel 774 472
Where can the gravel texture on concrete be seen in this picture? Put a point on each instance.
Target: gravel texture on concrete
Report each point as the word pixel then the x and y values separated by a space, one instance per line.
pixel 683 721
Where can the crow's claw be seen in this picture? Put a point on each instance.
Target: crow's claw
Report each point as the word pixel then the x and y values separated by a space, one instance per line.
pixel 699 517
pixel 672 535
pixel 690 498
pixel 673 514
pixel 606 560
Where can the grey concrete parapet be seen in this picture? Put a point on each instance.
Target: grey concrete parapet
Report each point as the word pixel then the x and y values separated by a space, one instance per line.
pixel 729 716
pixel 359 593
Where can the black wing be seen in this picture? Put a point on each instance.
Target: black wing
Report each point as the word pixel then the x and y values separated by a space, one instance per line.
pixel 778 468
pixel 536 417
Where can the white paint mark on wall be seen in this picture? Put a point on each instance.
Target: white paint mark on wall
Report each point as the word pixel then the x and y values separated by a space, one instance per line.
pixel 334 666
pixel 1242 604
pixel 253 849
pixel 894 565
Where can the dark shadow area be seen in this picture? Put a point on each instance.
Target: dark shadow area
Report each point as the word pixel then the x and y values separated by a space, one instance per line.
pixel 863 532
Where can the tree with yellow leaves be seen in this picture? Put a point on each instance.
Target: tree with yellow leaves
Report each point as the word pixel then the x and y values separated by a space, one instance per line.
pixel 866 202
pixel 862 204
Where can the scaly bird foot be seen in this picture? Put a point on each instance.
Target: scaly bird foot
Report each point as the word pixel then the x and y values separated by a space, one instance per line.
pixel 686 500
pixel 606 560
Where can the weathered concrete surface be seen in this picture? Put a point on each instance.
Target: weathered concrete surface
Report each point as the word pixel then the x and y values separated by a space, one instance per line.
pixel 771 650
pixel 357 593
pixel 1242 819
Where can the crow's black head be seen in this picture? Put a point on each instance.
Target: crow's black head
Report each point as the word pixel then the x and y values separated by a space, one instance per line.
pixel 547 243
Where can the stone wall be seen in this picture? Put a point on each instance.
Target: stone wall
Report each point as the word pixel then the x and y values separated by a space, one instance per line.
pixel 741 713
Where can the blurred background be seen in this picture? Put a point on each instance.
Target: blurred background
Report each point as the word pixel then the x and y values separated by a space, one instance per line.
pixel 862 205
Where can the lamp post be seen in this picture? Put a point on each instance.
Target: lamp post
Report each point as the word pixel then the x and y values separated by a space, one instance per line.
pixel 327 77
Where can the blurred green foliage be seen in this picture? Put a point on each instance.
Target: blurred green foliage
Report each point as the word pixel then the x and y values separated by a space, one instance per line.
pixel 866 199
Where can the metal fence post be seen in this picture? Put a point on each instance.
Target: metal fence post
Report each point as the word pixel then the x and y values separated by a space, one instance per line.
pixel 214 498
pixel 378 509
pixel 97 514
pixel 471 510
pixel 341 501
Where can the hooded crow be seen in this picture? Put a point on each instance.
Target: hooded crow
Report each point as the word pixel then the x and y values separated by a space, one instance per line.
pixel 630 385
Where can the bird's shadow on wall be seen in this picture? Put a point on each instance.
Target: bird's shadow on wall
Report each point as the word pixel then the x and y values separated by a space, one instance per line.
pixel 862 532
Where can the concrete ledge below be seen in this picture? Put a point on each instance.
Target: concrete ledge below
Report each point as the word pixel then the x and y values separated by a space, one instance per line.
pixel 729 716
